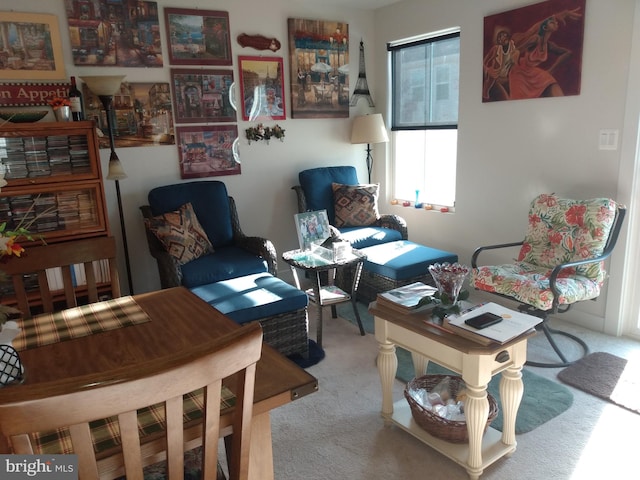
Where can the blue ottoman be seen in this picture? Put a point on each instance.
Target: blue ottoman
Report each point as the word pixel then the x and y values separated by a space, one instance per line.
pixel 280 308
pixel 394 264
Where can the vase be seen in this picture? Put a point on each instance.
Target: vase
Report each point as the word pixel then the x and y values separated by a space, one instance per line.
pixel 449 278
pixel 63 114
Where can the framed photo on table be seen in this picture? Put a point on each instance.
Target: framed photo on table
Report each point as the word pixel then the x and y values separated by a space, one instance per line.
pixel 30 47
pixel 198 37
pixel 201 95
pixel 312 228
pixel 262 88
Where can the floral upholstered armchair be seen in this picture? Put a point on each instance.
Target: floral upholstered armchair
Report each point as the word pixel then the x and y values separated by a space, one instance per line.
pixel 560 260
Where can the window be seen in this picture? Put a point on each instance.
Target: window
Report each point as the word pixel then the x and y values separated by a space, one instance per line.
pixel 425 77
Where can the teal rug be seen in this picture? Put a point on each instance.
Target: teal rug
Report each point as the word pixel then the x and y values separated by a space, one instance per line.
pixel 543 399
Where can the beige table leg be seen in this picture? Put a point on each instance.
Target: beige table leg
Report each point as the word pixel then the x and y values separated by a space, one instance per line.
pixel 476 410
pixel 261 455
pixel 387 368
pixel 511 391
pixel 420 363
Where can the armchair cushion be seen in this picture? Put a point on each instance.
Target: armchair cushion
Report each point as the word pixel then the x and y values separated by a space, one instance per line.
pixel 316 184
pixel 225 263
pixel 181 234
pixel 529 284
pixel 210 203
pixel 355 205
pixel 562 230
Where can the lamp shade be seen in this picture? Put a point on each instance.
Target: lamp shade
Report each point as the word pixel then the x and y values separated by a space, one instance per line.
pixel 116 170
pixel 369 129
pixel 103 85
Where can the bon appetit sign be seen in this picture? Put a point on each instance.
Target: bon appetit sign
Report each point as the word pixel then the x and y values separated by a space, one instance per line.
pixel 31 94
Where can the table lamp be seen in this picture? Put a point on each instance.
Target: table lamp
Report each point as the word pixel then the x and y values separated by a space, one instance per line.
pixel 105 87
pixel 369 129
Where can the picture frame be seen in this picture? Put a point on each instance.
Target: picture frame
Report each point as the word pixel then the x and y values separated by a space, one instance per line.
pixel 143 114
pixel 312 228
pixel 114 34
pixel 201 95
pixel 198 37
pixel 36 56
pixel 319 68
pixel 512 68
pixel 262 88
pixel 208 151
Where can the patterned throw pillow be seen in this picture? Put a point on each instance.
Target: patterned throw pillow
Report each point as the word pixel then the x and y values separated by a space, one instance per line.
pixel 181 234
pixel 355 205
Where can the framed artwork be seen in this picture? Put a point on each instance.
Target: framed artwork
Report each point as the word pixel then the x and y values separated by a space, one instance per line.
pixel 319 77
pixel 30 47
pixel 312 228
pixel 198 37
pixel 533 51
pixel 262 88
pixel 108 33
pixel 203 95
pixel 143 115
pixel 208 151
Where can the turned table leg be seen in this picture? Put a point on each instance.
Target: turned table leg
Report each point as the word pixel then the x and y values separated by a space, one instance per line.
pixel 387 368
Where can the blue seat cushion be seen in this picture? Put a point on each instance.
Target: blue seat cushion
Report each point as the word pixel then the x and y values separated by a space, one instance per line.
pixel 210 203
pixel 403 259
pixel 362 237
pixel 252 297
pixel 224 263
pixel 316 184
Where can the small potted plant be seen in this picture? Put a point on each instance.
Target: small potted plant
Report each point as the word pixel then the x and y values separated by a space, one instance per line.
pixel 61 108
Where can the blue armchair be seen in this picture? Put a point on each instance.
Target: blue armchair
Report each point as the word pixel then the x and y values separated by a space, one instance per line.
pixel 236 273
pixel 315 192
pixel 234 253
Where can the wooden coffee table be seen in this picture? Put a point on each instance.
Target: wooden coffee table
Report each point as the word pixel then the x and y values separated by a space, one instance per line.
pixel 476 363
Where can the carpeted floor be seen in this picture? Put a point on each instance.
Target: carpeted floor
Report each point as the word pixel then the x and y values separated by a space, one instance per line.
pixel 543 399
pixel 608 377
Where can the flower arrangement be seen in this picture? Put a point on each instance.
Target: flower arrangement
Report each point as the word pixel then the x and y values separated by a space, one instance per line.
pixel 260 132
pixel 57 102
pixel 10 247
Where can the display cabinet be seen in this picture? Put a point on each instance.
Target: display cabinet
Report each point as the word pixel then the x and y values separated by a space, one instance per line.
pixel 54 180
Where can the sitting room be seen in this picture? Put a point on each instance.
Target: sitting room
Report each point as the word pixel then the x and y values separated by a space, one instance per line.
pixel 421 129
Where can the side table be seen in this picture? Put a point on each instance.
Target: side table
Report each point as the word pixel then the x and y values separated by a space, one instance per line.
pixel 327 294
pixel 476 363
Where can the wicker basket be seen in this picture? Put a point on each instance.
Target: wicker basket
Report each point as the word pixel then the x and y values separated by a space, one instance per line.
pixel 449 430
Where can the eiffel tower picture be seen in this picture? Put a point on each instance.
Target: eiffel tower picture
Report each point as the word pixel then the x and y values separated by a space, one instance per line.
pixel 362 89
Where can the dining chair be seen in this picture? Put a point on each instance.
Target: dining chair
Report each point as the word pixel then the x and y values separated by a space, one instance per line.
pixel 160 384
pixel 71 291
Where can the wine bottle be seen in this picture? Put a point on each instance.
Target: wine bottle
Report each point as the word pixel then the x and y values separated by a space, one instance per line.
pixel 75 98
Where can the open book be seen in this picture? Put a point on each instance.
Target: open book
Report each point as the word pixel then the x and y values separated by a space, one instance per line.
pixel 513 324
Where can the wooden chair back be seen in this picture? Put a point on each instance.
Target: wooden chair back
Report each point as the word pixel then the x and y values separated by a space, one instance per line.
pixel 121 392
pixel 48 297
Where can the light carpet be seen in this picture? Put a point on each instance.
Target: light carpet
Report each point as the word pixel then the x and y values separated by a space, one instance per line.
pixel 338 433
pixel 606 376
pixel 543 399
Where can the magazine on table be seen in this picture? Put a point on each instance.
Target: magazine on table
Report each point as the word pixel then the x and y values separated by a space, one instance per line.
pixel 406 297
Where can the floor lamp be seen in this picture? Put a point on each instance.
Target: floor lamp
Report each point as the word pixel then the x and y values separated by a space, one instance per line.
pixel 105 87
pixel 369 129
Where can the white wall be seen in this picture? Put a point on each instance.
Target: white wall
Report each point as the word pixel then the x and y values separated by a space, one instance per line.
pixel 511 151
pixel 508 151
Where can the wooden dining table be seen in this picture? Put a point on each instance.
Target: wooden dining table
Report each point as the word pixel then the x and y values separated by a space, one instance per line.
pixel 174 320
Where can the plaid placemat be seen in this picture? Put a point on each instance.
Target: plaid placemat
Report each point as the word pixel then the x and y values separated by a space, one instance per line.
pixel 86 320
pixel 78 322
